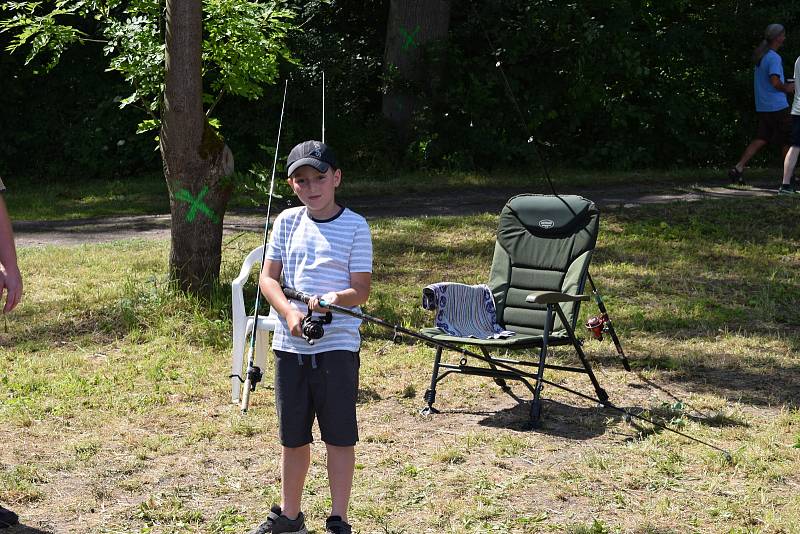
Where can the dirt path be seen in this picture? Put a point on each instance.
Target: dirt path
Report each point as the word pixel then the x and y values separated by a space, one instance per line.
pixel 100 230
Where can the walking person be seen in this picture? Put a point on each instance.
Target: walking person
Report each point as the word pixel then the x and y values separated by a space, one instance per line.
pixel 790 160
pixel 325 250
pixel 772 106
pixel 11 289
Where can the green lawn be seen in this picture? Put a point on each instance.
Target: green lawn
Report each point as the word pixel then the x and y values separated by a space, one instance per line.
pixel 115 392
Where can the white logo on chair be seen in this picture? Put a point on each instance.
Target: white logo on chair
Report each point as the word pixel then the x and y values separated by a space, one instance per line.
pixel 546 224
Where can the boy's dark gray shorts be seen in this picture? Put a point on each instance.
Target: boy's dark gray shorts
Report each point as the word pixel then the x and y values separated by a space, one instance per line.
pixel 324 385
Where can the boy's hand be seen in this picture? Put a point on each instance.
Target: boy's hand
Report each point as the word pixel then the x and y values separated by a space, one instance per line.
pixel 328 298
pixel 294 319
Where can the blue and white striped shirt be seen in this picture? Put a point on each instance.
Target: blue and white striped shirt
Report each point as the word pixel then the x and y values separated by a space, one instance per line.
pixel 318 257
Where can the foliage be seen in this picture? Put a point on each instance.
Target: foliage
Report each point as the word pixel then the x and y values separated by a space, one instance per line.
pixel 618 84
pixel 242 43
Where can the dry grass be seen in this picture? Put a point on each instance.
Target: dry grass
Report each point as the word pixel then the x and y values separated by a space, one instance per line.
pixel 115 413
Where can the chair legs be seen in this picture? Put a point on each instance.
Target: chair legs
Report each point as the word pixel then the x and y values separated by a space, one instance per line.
pixel 601 393
pixel 238 365
pixel 430 393
pixel 536 403
pixel 237 360
pixel 502 374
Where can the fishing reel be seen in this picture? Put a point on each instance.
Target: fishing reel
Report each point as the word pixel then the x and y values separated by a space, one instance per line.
pixel 255 375
pixel 598 326
pixel 313 327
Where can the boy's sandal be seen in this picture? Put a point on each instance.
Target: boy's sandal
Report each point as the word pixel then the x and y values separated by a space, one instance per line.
pixel 335 525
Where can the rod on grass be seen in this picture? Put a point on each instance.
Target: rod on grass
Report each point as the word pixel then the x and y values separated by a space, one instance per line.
pixel 254 373
pixel 302 297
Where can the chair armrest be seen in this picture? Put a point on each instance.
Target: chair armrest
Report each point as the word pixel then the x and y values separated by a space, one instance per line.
pixel 553 297
pixel 237 296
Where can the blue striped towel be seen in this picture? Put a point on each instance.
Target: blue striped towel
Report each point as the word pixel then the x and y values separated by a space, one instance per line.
pixel 464 311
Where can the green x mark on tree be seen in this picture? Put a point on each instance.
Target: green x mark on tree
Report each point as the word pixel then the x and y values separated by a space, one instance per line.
pixel 196 204
pixel 410 43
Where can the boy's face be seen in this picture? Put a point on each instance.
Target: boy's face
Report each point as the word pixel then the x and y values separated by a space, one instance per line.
pixel 317 190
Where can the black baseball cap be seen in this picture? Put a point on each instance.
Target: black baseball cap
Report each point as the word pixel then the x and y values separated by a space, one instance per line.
pixel 314 153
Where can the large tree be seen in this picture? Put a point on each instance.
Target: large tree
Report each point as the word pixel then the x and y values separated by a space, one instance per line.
pixel 169 53
pixel 412 24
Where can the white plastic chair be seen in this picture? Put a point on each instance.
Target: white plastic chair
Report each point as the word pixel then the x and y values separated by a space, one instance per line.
pixel 243 324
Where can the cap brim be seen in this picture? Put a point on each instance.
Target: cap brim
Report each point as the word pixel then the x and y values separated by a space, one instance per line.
pixel 321 166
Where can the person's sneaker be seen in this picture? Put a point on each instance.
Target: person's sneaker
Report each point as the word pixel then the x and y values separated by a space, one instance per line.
pixel 277 523
pixel 788 190
pixel 335 525
pixel 736 176
pixel 7 518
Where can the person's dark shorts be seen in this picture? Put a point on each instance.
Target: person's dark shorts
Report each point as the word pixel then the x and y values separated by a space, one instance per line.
pixel 324 385
pixel 774 127
pixel 795 141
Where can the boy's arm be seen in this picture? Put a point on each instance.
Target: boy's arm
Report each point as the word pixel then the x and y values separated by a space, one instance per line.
pixel 10 278
pixel 355 295
pixel 270 285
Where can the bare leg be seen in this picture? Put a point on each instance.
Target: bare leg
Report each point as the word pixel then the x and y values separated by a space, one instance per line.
pixel 789 163
pixel 341 466
pixel 751 150
pixel 294 467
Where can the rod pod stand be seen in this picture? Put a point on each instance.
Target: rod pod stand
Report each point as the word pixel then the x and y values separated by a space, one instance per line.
pixel 302 297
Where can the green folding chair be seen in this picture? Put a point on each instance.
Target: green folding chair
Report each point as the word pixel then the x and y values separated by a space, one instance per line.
pixel 541 260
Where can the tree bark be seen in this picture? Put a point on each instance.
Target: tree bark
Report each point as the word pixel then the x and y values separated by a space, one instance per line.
pixel 195 157
pixel 411 25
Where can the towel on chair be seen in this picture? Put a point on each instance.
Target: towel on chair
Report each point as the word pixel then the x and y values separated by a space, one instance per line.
pixel 464 311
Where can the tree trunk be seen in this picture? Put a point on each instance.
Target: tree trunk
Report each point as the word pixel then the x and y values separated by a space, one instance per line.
pixel 195 158
pixel 412 24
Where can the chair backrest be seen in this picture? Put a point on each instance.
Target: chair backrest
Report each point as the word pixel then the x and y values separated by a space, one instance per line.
pixel 544 243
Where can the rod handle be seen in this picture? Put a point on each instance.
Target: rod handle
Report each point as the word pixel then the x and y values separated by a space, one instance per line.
pixel 296 295
pixel 302 297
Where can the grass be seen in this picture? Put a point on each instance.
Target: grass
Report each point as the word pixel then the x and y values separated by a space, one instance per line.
pixel 147 195
pixel 114 390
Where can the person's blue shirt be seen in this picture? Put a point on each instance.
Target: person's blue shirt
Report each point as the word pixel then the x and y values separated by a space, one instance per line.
pixel 767 97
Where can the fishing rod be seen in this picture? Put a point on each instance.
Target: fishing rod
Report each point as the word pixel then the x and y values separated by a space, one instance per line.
pixel 323 107
pixel 397 329
pixel 602 323
pixel 254 373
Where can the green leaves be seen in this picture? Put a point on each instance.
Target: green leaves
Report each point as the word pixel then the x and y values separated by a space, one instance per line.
pixel 243 45
pixel 244 42
pixel 40 29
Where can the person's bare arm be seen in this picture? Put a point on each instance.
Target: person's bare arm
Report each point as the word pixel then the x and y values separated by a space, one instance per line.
pixel 355 295
pixel 10 278
pixel 775 80
pixel 270 285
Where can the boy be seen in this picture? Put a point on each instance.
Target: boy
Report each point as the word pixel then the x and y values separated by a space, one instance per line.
pixel 319 248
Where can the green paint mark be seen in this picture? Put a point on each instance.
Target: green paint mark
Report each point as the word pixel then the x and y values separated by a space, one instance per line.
pixel 410 43
pixel 196 204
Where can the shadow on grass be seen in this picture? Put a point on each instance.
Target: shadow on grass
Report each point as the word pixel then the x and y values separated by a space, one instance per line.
pixel 558 419
pixel 756 387
pixel 583 423
pixel 25 529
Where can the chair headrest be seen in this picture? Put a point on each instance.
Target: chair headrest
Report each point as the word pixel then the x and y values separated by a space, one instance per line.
pixel 551 216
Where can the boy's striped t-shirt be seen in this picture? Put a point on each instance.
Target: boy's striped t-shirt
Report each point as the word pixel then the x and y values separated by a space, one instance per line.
pixel 318 257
